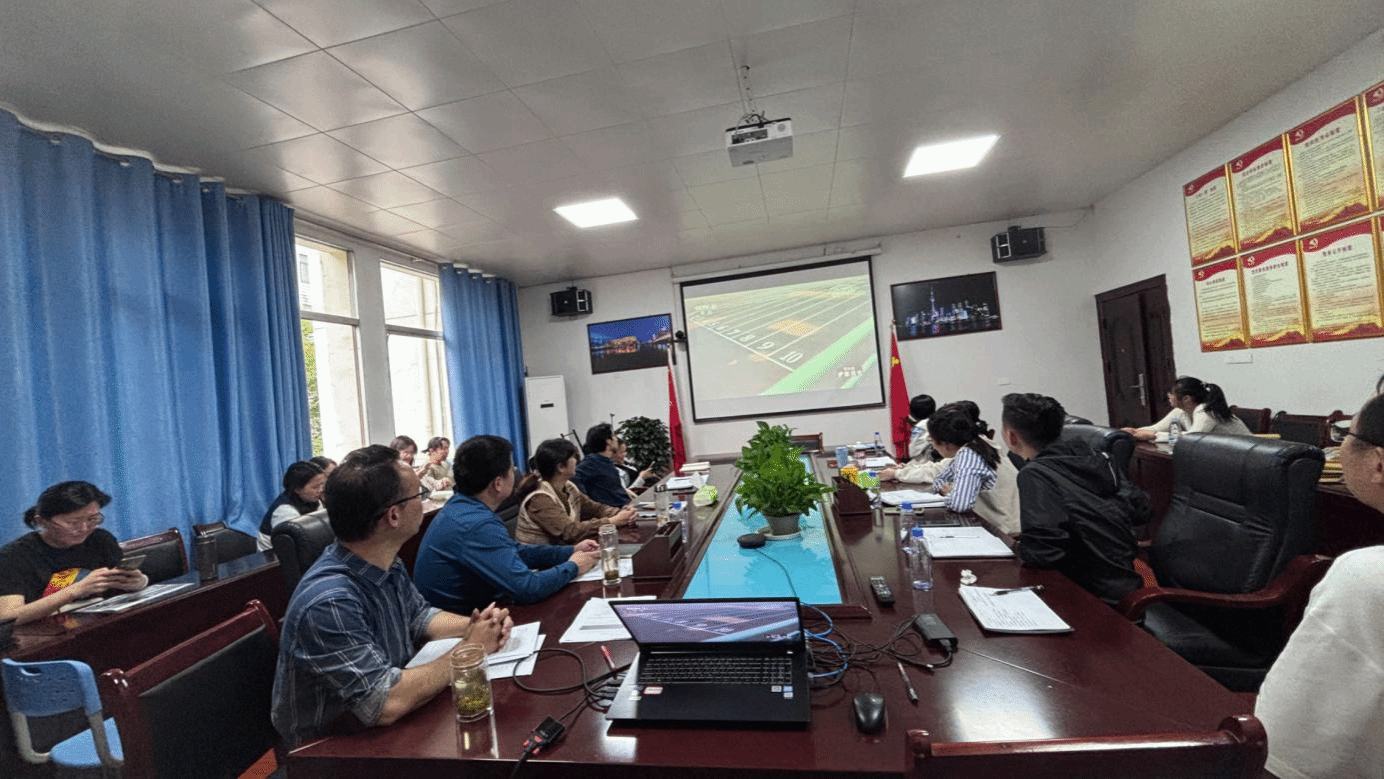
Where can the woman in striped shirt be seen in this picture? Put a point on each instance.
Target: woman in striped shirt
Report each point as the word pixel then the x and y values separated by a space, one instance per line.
pixel 957 435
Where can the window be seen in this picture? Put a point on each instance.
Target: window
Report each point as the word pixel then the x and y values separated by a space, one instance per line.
pixel 330 348
pixel 417 363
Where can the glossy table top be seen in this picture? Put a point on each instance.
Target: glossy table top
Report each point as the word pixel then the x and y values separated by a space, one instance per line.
pixel 1107 677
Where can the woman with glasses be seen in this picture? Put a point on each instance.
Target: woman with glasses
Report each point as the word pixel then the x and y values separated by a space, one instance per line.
pixel 68 557
pixel 303 483
pixel 436 473
pixel 1198 407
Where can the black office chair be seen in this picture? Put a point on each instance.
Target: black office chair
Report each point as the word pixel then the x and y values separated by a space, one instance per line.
pixel 1231 556
pixel 1073 419
pixel 202 707
pixel 230 544
pixel 508 511
pixel 164 554
pixel 1256 419
pixel 1116 443
pixel 298 543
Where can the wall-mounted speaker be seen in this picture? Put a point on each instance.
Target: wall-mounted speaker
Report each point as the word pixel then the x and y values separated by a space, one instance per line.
pixel 571 302
pixel 1018 243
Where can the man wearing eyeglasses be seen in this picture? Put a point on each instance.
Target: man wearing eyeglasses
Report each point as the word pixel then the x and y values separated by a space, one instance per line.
pixel 1322 703
pixel 356 618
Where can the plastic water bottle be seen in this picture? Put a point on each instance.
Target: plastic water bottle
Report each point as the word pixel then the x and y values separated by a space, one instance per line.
pixel 920 561
pixel 906 525
pixel 1174 433
pixel 879 444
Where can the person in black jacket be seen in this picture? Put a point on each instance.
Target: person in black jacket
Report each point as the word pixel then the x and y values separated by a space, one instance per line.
pixel 1077 512
pixel 597 477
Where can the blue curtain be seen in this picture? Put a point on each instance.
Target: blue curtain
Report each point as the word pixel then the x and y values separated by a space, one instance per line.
pixel 485 360
pixel 151 325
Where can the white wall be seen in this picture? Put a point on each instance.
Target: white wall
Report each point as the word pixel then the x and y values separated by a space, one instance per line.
pixel 1141 232
pixel 1049 342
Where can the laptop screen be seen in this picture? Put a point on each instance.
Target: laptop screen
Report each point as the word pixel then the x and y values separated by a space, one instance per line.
pixel 710 621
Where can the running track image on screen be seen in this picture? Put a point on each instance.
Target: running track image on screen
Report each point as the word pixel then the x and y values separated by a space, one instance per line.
pixel 784 341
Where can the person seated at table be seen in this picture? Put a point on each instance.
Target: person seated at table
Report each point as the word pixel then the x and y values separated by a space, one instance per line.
pixel 596 476
pixel 1198 407
pixel 551 508
pixel 1077 512
pixel 927 464
pixel 1322 703
pixel 355 619
pixel 67 557
pixel 631 478
pixel 467 558
pixel 302 495
pixel 406 447
pixel 436 473
pixel 327 464
pixel 976 477
pixel 920 407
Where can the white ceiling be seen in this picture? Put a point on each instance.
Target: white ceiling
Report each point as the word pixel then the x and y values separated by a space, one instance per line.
pixel 452 128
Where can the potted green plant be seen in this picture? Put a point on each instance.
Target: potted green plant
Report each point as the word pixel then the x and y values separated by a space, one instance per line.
pixel 649 445
pixel 774 480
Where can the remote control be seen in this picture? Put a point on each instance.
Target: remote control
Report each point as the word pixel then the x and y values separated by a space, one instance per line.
pixel 881 589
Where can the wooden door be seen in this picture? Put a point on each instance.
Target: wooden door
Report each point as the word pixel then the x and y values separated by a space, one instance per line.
pixel 1136 347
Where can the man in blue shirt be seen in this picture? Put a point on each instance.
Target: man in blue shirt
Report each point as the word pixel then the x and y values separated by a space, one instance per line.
pixel 596 476
pixel 468 559
pixel 355 619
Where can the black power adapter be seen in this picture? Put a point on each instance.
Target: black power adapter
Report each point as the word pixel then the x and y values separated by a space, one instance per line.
pixel 934 631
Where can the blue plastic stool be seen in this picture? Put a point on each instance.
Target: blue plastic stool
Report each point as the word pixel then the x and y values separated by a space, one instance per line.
pixel 55 687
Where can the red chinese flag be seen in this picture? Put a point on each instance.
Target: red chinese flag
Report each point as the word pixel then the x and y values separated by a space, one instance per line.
pixel 675 423
pixel 898 399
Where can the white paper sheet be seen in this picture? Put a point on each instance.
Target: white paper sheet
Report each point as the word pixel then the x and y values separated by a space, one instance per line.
pixel 523 641
pixel 597 622
pixel 129 600
pixel 1020 611
pixel 916 497
pixel 949 542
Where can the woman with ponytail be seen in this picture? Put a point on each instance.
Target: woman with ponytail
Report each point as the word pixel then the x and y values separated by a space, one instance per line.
pixel 976 476
pixel 551 508
pixel 1199 407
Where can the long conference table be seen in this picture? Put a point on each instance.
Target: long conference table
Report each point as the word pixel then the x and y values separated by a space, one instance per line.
pixel 1106 678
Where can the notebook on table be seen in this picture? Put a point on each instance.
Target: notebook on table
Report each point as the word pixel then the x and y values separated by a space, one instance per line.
pixel 726 659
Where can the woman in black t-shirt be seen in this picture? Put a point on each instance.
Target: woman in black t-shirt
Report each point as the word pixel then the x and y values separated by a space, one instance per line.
pixel 66 558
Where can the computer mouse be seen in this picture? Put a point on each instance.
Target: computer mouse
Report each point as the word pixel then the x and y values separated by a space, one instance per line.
pixel 869 711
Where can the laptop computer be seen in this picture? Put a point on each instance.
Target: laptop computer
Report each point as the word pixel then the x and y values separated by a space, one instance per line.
pixel 725 660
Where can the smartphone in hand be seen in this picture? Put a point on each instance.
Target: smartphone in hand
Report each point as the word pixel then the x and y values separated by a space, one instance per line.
pixel 130 562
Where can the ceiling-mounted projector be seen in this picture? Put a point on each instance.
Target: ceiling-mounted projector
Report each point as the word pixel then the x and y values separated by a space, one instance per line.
pixel 763 141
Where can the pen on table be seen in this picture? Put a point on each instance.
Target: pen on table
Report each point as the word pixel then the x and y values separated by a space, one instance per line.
pixel 907 684
pixel 605 652
pixel 1030 588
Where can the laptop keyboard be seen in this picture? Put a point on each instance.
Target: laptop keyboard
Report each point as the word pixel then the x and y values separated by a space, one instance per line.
pixel 713 669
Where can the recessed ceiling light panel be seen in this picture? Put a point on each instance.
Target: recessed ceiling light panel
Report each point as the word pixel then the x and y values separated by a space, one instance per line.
pixel 597 212
pixel 953 155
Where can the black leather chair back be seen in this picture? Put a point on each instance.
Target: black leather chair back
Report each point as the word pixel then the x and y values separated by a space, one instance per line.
pixel 1073 419
pixel 230 544
pixel 164 554
pixel 1116 443
pixel 298 543
pixel 1241 509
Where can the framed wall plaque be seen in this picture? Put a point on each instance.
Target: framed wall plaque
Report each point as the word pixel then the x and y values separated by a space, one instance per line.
pixel 1341 268
pixel 1263 201
pixel 1273 296
pixel 1220 313
pixel 1374 123
pixel 1327 163
pixel 1210 226
pixel 630 344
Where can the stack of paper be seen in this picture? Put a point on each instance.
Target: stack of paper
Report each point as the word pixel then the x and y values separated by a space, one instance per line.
pixel 508 660
pixel 597 622
pixel 916 497
pixel 1011 611
pixel 129 600
pixel 964 542
pixel 879 462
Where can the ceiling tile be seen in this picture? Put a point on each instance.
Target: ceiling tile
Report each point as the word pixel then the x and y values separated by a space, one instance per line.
pixel 611 147
pixel 488 122
pixel 526 41
pixel 736 191
pixel 804 189
pixel 815 217
pixel 440 213
pixel 710 166
pixel 246 35
pixel 387 223
pixel 812 110
pixel 683 81
pixel 807 55
pixel 329 22
pixel 744 18
pixel 244 120
pixel 331 204
pixel 541 161
pixel 460 176
pixel 428 241
pixel 635 29
pixel 399 141
pixel 316 89
pixel 849 184
pixel 475 232
pixel 896 38
pixel 449 7
pixel 386 190
pixel 420 66
pixel 585 101
pixel 318 158
pixel 698 131
pixel 856 142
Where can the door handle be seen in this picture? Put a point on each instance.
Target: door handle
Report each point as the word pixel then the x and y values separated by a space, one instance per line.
pixel 1143 390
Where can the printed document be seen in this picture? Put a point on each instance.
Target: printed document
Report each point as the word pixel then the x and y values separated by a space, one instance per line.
pixel 1012 611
